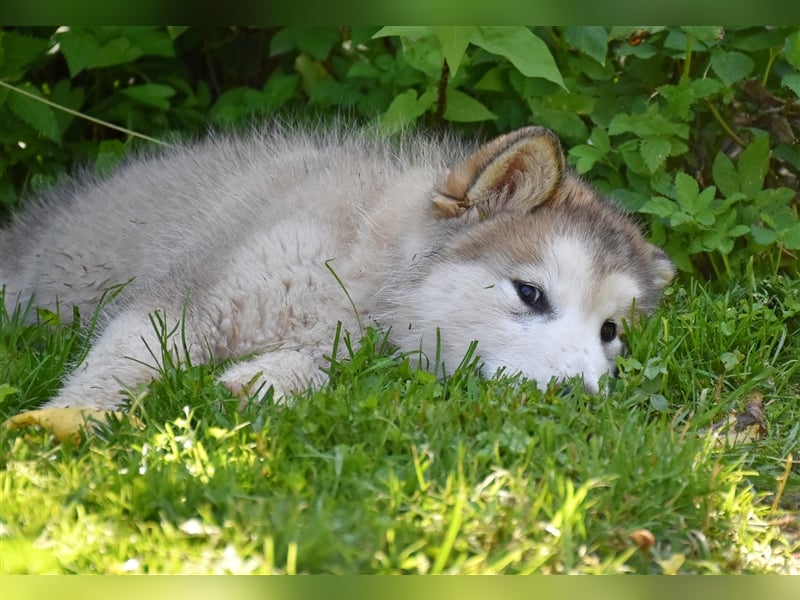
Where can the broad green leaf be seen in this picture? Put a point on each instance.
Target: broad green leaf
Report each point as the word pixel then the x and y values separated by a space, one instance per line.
pixel 584 157
pixel 792 52
pixel 36 114
pixel 315 41
pixel 278 90
pixel 591 40
pixel 492 81
pixel 705 33
pixel 454 41
pixel 405 109
pixel 792 81
pixel 83 50
pixel 152 94
pixel 65 95
pixel 18 51
pixel 424 54
pixel 151 41
pixel 725 175
pixel 109 154
pixel 403 31
pixel 762 235
pixel 464 108
pixel 753 165
pixel 660 207
pixel 654 152
pixel 731 66
pixel 791 237
pixel 686 191
pixel 528 53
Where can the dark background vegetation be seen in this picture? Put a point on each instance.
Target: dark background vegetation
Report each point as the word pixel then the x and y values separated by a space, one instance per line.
pixel 693 128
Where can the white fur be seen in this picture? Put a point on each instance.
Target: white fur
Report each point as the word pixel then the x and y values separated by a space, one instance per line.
pixel 243 235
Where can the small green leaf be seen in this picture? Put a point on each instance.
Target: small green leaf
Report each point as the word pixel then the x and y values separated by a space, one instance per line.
pixel 792 81
pixel 36 114
pixel 731 66
pixel 660 207
pixel 528 53
pixel 658 402
pixel 792 52
pixel 18 51
pixel 403 31
pixel 762 235
pixel 152 94
pixel 584 157
pixel 686 191
pixel 654 152
pixel 753 165
pixel 405 109
pixel 705 33
pixel 109 154
pixel 791 237
pixel 464 108
pixel 454 41
pixel 725 175
pixel 591 40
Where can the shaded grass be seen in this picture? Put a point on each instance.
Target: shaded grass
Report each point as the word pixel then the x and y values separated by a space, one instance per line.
pixel 391 470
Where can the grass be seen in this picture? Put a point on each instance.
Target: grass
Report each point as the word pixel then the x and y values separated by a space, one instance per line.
pixel 391 470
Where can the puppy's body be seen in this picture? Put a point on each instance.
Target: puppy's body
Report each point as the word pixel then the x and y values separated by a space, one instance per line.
pixel 242 237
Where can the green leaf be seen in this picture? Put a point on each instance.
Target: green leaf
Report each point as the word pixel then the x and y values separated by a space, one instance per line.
pixel 314 41
pixel 591 40
pixel 654 152
pixel 83 49
pixel 109 154
pixel 584 157
pixel 791 237
pixel 492 81
pixel 792 81
pixel 151 94
pixel 403 31
pixel 792 49
pixel 686 190
pixel 464 108
pixel 405 109
pixel 528 53
pixel 725 175
pixel 65 95
pixel 17 52
pixel 762 235
pixel 454 41
pixel 731 66
pixel 660 207
pixel 36 114
pixel 705 33
pixel 753 165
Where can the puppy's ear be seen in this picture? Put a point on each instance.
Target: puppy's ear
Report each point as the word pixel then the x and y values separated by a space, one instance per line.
pixel 663 270
pixel 515 172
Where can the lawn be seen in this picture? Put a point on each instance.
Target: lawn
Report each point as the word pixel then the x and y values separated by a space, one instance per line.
pixel 390 469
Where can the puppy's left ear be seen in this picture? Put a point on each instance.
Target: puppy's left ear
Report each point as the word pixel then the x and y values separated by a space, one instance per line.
pixel 663 269
pixel 515 172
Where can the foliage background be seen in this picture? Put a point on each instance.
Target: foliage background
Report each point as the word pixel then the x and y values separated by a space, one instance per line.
pixel 693 128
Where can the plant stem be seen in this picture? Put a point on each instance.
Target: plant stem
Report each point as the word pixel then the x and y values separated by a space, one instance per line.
pixel 724 125
pixel 75 113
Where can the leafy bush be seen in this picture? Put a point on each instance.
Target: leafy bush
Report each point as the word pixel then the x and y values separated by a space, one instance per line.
pixel 693 128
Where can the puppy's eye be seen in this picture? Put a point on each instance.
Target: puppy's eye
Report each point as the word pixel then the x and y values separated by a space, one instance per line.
pixel 531 295
pixel 608 332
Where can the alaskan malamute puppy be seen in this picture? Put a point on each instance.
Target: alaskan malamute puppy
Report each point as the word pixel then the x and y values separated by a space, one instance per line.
pixel 264 243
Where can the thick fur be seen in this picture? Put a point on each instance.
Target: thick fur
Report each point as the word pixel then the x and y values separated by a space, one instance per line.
pixel 241 236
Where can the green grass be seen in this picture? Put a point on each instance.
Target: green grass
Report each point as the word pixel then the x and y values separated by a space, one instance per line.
pixel 389 470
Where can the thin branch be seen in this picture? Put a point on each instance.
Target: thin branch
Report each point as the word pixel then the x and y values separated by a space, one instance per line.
pixel 81 115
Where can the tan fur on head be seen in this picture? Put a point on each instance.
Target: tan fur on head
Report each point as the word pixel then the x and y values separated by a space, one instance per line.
pixel 515 172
